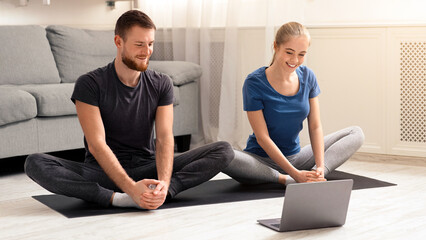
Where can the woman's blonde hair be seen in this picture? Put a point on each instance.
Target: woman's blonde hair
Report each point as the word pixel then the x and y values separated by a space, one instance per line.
pixel 288 31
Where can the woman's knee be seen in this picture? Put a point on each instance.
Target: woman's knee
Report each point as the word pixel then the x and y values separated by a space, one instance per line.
pixel 359 136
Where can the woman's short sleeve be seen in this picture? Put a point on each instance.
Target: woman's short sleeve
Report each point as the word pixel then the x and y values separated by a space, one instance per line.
pixel 252 98
pixel 315 89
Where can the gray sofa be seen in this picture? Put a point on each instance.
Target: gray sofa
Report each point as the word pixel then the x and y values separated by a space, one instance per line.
pixel 38 68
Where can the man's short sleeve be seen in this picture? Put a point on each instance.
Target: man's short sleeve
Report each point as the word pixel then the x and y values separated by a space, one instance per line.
pixel 252 100
pixel 166 95
pixel 86 90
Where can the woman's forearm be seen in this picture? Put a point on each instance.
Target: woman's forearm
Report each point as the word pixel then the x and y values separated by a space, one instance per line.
pixel 276 155
pixel 317 143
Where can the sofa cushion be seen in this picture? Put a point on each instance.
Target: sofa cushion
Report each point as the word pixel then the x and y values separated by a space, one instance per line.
pixel 52 99
pixel 25 56
pixel 176 96
pixel 78 51
pixel 16 105
pixel 180 72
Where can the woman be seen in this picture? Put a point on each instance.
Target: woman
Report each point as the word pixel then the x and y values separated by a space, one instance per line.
pixel 278 99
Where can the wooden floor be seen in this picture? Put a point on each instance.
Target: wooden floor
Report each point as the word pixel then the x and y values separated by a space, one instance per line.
pixel 381 213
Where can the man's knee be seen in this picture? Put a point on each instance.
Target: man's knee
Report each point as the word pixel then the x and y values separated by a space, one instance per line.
pixel 226 151
pixel 32 164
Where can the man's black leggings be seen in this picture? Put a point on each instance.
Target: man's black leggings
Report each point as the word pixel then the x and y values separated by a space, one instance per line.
pixel 89 182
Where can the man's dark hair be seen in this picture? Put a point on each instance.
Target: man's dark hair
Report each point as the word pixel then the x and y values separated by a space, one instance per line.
pixel 132 18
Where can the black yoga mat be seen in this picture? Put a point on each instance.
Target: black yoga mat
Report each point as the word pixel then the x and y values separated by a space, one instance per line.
pixel 211 192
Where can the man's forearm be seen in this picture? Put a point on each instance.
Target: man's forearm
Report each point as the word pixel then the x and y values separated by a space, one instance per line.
pixel 164 158
pixel 112 167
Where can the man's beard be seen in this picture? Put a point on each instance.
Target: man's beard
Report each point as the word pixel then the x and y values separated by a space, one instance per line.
pixel 133 65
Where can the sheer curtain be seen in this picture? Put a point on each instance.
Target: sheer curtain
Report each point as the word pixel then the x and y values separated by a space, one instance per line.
pixel 211 33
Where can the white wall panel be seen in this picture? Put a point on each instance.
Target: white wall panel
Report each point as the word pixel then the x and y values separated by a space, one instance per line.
pixel 416 70
pixel 359 72
pixel 350 69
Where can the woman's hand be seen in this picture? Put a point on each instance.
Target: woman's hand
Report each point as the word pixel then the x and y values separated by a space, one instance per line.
pixel 309 176
pixel 320 172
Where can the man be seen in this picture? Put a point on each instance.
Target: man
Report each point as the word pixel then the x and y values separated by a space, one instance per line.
pixel 117 106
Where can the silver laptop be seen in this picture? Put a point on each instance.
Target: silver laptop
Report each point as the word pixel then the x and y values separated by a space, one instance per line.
pixel 313 205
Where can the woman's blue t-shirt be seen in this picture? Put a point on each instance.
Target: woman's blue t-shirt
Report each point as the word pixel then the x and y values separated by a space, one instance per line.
pixel 284 115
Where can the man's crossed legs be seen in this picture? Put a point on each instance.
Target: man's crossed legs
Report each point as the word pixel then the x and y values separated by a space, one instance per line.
pixel 89 182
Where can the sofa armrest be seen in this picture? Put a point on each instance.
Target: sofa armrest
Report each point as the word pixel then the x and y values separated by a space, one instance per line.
pixel 180 72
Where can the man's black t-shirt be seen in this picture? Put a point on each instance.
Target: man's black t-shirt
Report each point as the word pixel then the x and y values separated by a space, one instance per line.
pixel 128 113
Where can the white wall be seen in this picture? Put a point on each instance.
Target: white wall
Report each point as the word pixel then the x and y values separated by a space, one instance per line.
pixel 83 13
pixel 365 12
pixel 309 12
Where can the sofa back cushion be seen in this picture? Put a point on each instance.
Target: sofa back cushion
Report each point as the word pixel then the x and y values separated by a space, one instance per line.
pixel 78 51
pixel 25 56
pixel 180 72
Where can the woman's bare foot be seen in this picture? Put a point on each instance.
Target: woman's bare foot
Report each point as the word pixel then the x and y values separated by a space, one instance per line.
pixel 282 179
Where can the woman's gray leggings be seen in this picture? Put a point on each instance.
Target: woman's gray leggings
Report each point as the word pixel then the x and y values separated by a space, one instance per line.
pixel 339 146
